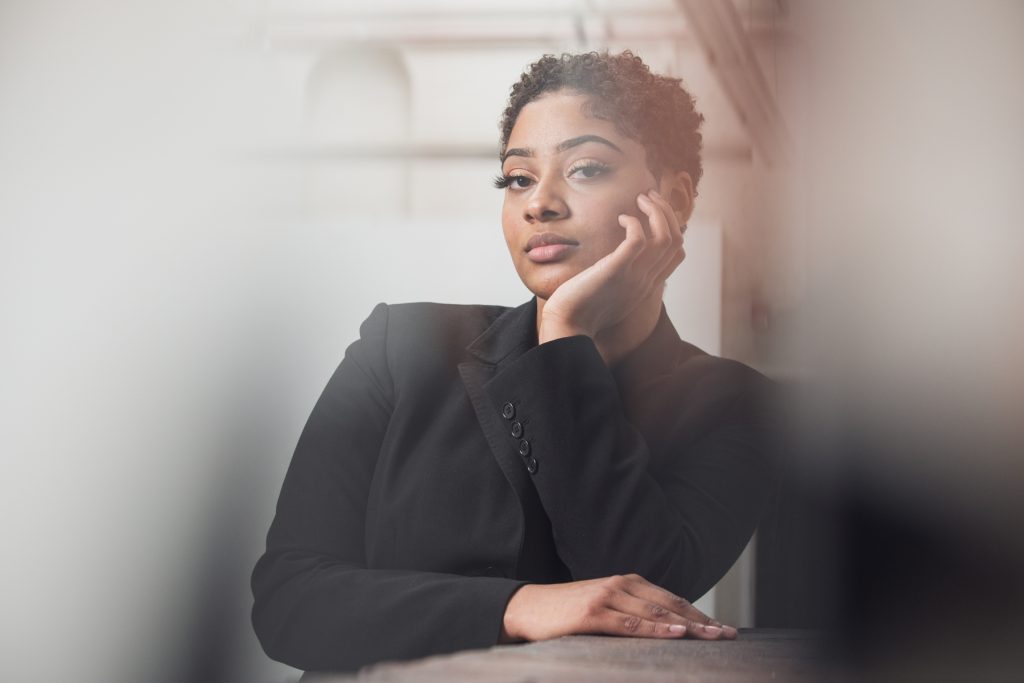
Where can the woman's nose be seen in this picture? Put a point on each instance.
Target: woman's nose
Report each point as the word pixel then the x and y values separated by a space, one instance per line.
pixel 545 204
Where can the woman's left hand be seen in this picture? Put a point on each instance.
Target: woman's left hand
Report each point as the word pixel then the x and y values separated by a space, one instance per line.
pixel 633 275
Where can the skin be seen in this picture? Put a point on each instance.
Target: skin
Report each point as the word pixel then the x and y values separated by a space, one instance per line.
pixel 608 286
pixel 629 237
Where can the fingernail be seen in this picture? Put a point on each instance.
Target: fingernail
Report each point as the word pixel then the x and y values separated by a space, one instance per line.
pixel 677 628
pixel 713 630
pixel 655 194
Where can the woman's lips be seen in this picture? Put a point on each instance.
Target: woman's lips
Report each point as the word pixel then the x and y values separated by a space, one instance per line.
pixel 548 246
pixel 549 252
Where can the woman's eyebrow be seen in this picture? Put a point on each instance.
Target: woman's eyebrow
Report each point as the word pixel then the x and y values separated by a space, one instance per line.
pixel 562 146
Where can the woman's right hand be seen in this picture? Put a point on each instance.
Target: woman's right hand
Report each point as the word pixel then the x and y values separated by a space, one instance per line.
pixel 626 605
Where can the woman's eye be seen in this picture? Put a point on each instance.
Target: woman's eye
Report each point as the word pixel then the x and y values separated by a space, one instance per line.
pixel 520 182
pixel 591 170
pixel 515 181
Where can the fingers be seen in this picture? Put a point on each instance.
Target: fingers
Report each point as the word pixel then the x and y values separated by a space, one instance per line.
pixel 646 591
pixel 618 623
pixel 676 231
pixel 664 224
pixel 665 245
pixel 635 241
pixel 630 604
pixel 670 214
pixel 667 269
pixel 660 237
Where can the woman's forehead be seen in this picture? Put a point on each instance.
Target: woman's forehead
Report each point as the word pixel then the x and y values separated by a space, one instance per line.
pixel 554 118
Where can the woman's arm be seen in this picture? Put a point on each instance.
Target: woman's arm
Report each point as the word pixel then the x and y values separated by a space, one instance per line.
pixel 609 514
pixel 317 606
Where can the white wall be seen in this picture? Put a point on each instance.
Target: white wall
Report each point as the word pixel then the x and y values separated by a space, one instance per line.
pixel 178 279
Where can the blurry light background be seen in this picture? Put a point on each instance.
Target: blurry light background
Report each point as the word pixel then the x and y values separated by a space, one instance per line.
pixel 201 201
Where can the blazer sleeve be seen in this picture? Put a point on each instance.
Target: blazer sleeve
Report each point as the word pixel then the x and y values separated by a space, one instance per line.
pixel 681 527
pixel 316 604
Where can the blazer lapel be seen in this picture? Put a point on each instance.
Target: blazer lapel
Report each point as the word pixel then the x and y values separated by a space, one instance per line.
pixel 513 333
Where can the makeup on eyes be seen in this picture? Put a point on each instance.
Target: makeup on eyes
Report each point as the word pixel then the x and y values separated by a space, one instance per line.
pixel 598 168
pixel 506 180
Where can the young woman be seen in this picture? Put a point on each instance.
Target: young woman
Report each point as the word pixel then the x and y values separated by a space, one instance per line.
pixel 474 475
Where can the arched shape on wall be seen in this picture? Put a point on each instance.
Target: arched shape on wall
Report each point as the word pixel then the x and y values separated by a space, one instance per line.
pixel 359 96
pixel 358 110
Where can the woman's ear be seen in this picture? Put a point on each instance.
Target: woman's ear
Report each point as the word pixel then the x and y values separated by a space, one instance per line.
pixel 678 189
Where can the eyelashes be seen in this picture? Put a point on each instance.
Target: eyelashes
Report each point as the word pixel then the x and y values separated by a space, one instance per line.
pixel 592 166
pixel 502 181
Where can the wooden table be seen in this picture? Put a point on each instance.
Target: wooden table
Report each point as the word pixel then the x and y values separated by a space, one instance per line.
pixel 756 655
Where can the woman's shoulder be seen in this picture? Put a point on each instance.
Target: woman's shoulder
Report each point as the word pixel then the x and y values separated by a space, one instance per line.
pixel 666 358
pixel 715 380
pixel 433 310
pixel 707 366
pixel 429 333
pixel 417 318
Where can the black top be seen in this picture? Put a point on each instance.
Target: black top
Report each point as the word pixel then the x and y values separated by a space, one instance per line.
pixel 451 459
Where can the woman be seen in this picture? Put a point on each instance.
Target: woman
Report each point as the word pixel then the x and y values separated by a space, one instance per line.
pixel 474 475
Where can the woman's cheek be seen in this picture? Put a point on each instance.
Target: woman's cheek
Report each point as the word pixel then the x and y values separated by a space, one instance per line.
pixel 613 231
pixel 621 203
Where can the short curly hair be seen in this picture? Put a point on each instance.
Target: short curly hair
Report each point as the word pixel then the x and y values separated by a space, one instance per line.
pixel 654 110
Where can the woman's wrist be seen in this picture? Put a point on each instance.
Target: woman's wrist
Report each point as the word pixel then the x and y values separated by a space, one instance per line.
pixel 550 331
pixel 606 346
pixel 509 627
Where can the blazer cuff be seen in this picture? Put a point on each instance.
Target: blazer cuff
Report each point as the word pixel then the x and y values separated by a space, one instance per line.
pixel 552 394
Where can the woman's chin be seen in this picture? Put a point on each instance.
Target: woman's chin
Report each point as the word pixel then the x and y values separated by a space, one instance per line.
pixel 544 288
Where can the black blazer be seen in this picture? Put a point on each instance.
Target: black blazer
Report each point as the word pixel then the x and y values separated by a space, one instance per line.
pixel 450 460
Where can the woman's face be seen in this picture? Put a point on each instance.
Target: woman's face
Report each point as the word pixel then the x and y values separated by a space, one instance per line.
pixel 570 176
